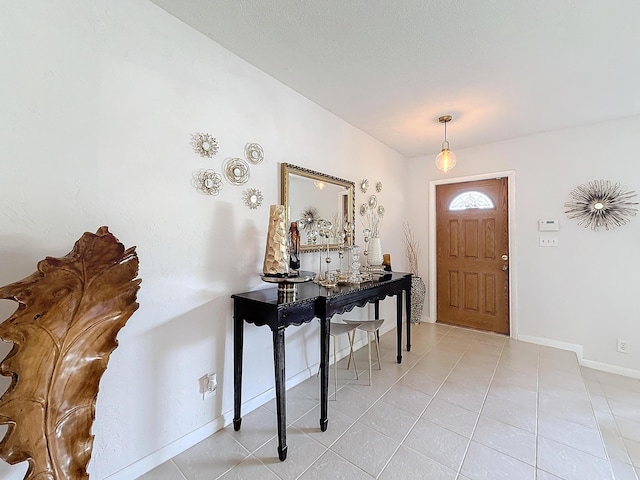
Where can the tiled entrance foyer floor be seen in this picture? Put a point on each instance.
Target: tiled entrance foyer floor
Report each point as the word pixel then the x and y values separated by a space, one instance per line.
pixel 462 405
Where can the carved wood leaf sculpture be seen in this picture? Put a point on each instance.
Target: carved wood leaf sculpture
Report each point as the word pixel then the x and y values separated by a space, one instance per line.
pixel 64 330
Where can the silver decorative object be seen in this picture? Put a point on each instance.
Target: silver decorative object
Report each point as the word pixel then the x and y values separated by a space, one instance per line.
pixel 254 153
pixel 364 185
pixel 373 201
pixel 204 144
pixel 208 181
pixel 601 204
pixel 380 210
pixel 236 171
pixel 379 187
pixel 364 208
pixel 252 198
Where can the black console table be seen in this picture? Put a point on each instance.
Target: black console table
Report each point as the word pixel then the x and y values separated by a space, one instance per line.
pixel 264 307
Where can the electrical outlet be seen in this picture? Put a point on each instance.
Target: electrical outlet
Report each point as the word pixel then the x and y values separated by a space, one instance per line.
pixel 548 241
pixel 208 384
pixel 623 346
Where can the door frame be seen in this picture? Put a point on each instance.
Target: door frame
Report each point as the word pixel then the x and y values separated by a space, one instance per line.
pixel 513 264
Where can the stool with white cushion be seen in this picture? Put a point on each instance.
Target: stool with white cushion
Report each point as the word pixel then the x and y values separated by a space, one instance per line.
pixel 371 327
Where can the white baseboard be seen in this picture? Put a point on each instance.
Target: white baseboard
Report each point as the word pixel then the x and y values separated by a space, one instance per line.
pixel 605 367
pixel 547 342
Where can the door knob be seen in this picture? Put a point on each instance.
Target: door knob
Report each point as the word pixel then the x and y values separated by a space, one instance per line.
pixel 505 257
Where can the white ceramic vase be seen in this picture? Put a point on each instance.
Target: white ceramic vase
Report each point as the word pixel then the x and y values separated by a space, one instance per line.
pixel 374 256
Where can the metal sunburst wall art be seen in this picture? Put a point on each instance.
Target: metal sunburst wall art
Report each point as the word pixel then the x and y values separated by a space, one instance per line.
pixel 601 204
pixel 208 181
pixel 204 144
pixel 252 198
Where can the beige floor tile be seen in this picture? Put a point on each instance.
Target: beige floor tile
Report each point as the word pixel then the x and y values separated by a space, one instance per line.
pixel 333 466
pixel 466 396
pixel 409 464
pixel 483 463
pixel 249 469
pixel 338 423
pixel 569 463
pixel 510 412
pixel 302 451
pixel 633 448
pixel 166 471
pixel 506 439
pixel 437 443
pixel 451 416
pixel 407 399
pixel 211 457
pixel 623 471
pixel 257 428
pixel 570 433
pixel 628 428
pixel 366 448
pixel 392 421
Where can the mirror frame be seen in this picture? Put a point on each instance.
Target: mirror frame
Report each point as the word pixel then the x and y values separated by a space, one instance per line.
pixel 289 169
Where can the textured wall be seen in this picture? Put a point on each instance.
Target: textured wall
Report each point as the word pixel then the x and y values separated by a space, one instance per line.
pixel 98 110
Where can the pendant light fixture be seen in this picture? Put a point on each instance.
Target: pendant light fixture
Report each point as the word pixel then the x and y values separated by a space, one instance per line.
pixel 446 159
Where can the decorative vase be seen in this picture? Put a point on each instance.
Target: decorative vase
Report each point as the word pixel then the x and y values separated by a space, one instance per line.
pixel 418 292
pixel 374 254
pixel 276 255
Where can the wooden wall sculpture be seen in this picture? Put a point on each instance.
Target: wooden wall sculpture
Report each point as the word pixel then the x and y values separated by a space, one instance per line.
pixel 64 330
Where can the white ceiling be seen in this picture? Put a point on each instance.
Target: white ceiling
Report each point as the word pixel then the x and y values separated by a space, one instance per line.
pixel 502 68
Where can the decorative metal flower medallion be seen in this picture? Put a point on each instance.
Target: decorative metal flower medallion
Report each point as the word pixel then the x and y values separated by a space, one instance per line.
pixel 208 181
pixel 364 185
pixel 601 204
pixel 252 198
pixel 236 171
pixel 381 210
pixel 308 219
pixel 379 187
pixel 373 201
pixel 364 208
pixel 204 144
pixel 254 152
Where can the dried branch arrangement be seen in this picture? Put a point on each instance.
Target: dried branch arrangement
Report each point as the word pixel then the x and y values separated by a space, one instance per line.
pixel 64 330
pixel 413 249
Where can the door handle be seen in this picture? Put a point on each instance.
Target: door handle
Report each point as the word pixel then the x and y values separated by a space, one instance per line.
pixel 505 267
pixel 505 257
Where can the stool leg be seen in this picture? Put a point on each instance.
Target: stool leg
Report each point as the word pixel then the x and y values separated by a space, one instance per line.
pixel 335 370
pixel 351 336
pixel 369 348
pixel 378 350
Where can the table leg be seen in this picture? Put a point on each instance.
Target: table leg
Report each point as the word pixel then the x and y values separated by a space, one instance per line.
pixel 238 341
pixel 399 325
pixel 281 395
pixel 408 300
pixel 324 372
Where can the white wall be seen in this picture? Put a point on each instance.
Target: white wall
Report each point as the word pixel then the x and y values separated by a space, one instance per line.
pixel 583 292
pixel 100 99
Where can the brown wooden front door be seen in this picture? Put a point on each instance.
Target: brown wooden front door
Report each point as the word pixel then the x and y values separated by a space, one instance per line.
pixel 472 238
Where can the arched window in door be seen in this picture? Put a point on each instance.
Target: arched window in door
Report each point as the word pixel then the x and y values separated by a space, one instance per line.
pixel 467 200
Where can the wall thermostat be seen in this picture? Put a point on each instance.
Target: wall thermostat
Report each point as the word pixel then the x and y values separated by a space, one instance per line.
pixel 548 225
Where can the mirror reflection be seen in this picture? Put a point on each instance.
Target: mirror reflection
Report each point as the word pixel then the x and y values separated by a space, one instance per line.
pixel 314 200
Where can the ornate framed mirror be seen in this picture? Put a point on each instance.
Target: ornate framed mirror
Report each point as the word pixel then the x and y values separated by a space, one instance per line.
pixel 310 197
